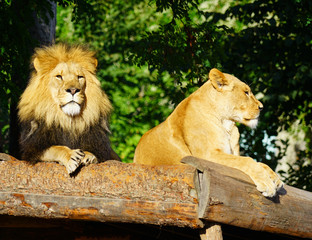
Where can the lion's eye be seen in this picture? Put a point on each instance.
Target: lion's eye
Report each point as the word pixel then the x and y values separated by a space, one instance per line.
pixel 80 77
pixel 59 77
pixel 247 93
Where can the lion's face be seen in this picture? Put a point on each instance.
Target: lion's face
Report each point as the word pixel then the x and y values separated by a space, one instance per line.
pixel 236 101
pixel 67 86
pixel 63 90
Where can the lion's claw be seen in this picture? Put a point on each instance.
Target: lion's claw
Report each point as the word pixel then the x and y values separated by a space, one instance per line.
pixel 88 159
pixel 77 157
pixel 75 160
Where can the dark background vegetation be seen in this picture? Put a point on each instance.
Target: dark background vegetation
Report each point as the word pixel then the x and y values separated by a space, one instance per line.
pixel 152 54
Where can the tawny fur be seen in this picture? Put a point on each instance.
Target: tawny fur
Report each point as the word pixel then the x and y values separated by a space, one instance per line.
pixel 203 125
pixel 64 99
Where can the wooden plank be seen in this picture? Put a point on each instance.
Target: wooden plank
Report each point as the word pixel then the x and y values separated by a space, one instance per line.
pixel 230 197
pixel 211 232
pixel 107 192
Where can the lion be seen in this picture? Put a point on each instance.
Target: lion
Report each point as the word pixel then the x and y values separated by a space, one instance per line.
pixel 63 112
pixel 204 126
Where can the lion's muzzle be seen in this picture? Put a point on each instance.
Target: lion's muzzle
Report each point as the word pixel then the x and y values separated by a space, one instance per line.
pixel 72 108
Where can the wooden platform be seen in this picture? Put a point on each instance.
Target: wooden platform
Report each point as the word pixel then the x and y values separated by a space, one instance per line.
pixel 190 197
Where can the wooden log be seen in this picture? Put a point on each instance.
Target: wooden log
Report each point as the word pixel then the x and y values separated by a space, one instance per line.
pixel 107 192
pixel 211 232
pixel 229 196
pixel 161 195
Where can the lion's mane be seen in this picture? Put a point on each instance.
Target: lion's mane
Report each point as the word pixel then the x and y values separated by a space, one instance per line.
pixel 43 122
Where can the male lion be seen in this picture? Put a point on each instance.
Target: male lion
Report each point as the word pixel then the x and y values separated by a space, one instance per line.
pixel 63 112
pixel 203 125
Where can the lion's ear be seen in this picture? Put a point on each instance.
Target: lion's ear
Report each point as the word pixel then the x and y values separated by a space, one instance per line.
pixel 95 62
pixel 218 79
pixel 37 64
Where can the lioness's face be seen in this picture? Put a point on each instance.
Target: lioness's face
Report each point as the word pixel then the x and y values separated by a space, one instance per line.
pixel 67 87
pixel 244 105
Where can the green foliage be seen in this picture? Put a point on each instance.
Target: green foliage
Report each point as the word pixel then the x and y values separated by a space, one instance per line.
pixel 187 47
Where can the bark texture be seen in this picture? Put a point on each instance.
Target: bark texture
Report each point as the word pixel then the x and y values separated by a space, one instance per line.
pixel 181 196
pixel 107 192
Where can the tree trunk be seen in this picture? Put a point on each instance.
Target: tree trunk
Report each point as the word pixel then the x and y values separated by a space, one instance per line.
pixel 44 26
pixel 42 32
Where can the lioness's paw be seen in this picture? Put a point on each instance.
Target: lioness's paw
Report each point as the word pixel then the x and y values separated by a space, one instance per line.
pixel 266 187
pixel 89 158
pixel 267 181
pixel 75 159
pixel 273 176
pixel 278 183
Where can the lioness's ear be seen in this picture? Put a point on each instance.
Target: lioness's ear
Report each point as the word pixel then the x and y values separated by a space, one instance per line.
pixel 218 79
pixel 37 64
pixel 95 62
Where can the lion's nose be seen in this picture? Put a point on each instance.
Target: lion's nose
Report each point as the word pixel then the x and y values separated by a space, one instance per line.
pixel 72 91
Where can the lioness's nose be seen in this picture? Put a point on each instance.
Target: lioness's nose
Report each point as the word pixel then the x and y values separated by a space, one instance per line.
pixel 260 106
pixel 72 91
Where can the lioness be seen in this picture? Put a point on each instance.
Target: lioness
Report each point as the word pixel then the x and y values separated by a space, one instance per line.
pixel 203 126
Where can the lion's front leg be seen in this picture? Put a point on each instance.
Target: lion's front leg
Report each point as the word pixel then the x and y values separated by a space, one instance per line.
pixel 70 158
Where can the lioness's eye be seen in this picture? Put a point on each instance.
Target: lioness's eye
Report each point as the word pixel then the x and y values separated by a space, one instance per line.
pixel 59 77
pixel 247 93
pixel 80 77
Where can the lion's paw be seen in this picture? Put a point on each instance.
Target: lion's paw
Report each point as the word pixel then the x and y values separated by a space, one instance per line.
pixel 267 181
pixel 75 160
pixel 89 158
